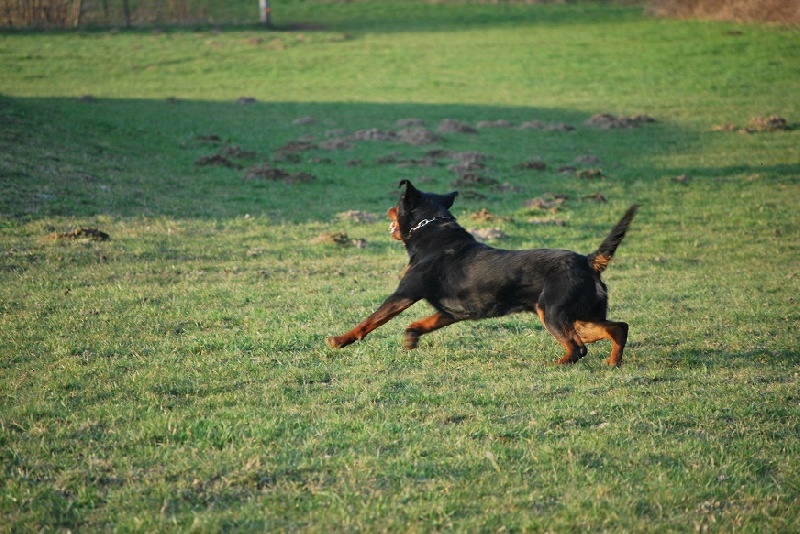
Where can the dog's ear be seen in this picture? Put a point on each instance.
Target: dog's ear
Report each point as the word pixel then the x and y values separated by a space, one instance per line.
pixel 412 195
pixel 448 199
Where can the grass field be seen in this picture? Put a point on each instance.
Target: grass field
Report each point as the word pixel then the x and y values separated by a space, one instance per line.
pixel 175 377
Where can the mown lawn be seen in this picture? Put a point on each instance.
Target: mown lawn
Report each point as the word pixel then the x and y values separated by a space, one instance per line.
pixel 175 377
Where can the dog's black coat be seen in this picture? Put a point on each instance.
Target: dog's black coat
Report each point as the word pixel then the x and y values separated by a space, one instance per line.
pixel 465 279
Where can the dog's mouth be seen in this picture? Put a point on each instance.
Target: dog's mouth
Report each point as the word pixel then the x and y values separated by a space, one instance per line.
pixel 394 228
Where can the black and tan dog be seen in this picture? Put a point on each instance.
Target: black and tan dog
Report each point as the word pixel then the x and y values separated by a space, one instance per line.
pixel 464 279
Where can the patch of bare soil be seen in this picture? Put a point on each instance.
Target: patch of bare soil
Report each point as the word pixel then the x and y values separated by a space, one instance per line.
pixel 484 215
pixel 357 216
pixel 768 124
pixel 499 123
pixel 455 126
pixel 81 233
pixel 591 174
pixel 465 168
pixel 88 99
pixel 375 134
pixel 217 159
pixel 304 121
pixel 338 238
pixel 273 174
pixel 245 100
pixel 235 151
pixel 417 136
pixel 469 157
pixel 596 197
pixel 336 144
pixel 534 165
pixel 547 202
pixel 291 150
pixel 559 127
pixel 531 125
pixel 487 234
pixel 547 221
pixel 607 121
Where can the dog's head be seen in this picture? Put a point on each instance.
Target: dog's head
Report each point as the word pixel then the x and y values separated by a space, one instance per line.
pixel 416 207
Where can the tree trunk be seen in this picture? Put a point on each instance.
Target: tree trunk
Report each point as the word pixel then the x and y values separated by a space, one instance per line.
pixel 77 8
pixel 126 9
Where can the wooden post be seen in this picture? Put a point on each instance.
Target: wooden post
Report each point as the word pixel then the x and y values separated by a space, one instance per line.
pixel 264 11
pixel 126 10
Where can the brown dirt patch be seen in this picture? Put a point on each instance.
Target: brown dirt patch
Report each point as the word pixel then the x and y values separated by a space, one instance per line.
pixel 607 121
pixel 338 238
pixel 487 234
pixel 245 100
pixel 533 165
pixel 304 121
pixel 768 124
pixel 273 174
pixel 357 216
pixel 417 136
pixel 455 126
pixel 548 202
pixel 484 215
pixel 591 174
pixel 217 159
pixel 375 134
pixel 235 151
pixel 81 233
pixel 499 123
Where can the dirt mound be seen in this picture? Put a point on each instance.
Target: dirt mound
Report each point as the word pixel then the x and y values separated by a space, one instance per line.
pixel 559 127
pixel 217 159
pixel 338 238
pixel 375 134
pixel 531 125
pixel 235 151
pixel 768 124
pixel 357 216
pixel 548 202
pixel 304 121
pixel 534 164
pixel 499 123
pixel 210 138
pixel 417 136
pixel 607 121
pixel 336 144
pixel 465 168
pixel 486 234
pixel 81 233
pixel 272 174
pixel 455 126
pixel 468 157
pixel 291 151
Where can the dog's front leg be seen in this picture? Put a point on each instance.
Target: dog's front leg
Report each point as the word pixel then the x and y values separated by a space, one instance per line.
pixel 424 326
pixel 391 307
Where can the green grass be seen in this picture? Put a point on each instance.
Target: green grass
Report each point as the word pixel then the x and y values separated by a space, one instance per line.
pixel 176 378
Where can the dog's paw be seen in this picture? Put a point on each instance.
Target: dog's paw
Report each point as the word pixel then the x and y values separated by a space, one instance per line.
pixel 411 340
pixel 337 342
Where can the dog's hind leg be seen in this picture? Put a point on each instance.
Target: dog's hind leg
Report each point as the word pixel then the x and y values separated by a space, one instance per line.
pixel 617 332
pixel 392 307
pixel 564 334
pixel 418 328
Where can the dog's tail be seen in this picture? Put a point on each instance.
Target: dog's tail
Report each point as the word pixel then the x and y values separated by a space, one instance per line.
pixel 599 259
